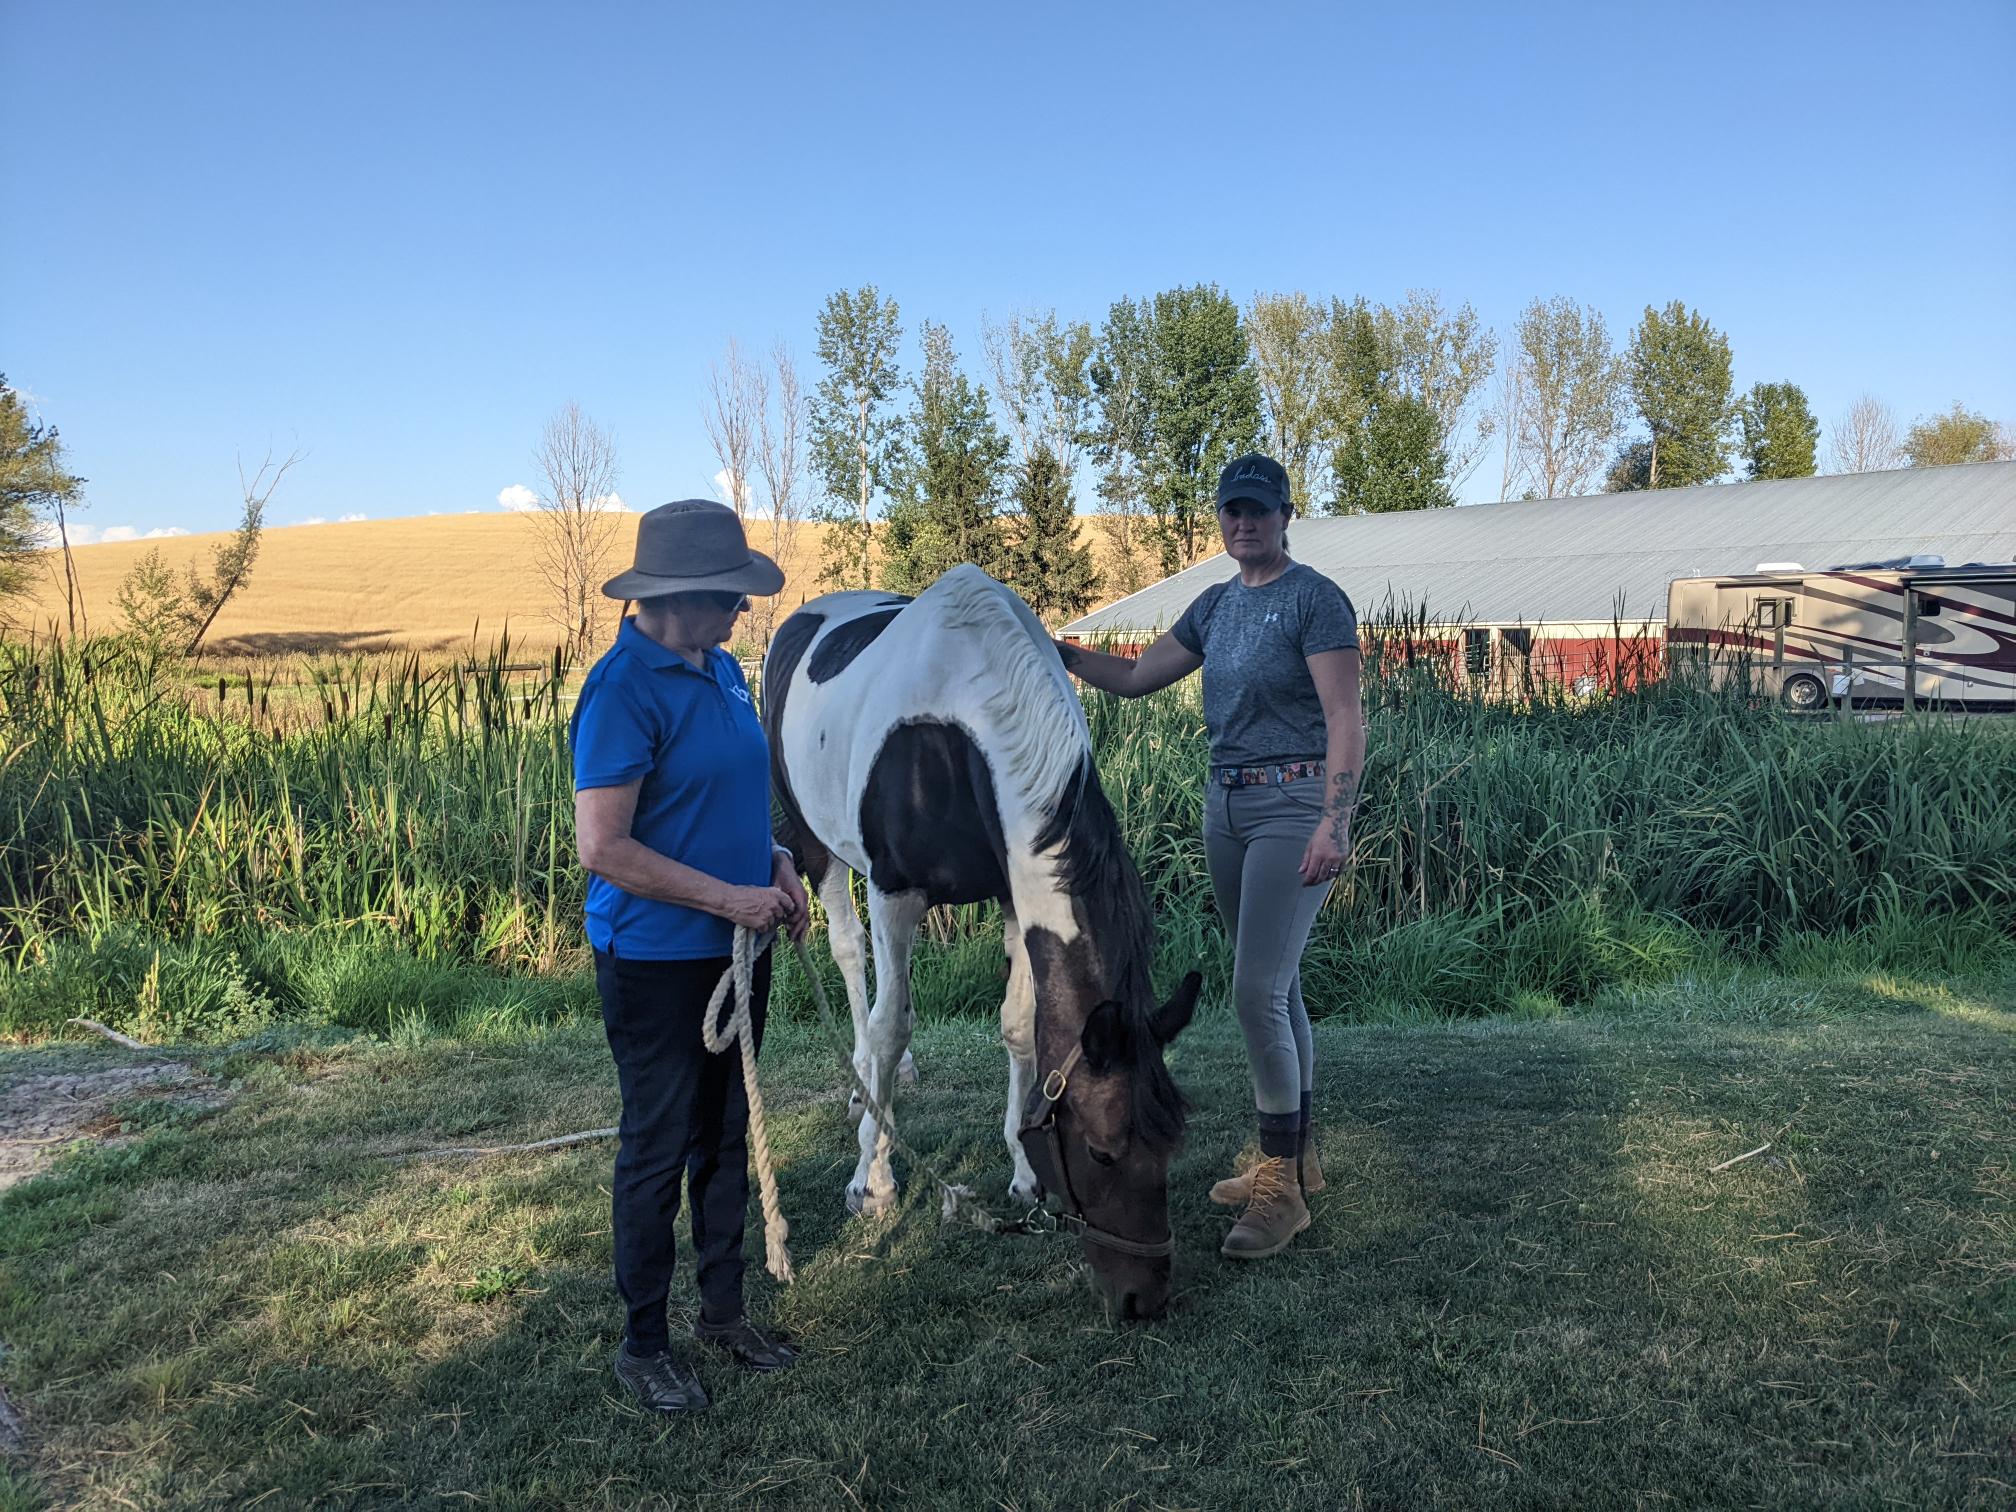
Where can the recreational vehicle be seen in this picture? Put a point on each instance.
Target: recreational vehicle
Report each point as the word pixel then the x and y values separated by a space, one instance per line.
pixel 1899 631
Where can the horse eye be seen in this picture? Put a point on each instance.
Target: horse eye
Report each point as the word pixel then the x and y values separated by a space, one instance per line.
pixel 1102 1156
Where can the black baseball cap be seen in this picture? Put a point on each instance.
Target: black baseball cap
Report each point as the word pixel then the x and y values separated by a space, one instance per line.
pixel 1254 477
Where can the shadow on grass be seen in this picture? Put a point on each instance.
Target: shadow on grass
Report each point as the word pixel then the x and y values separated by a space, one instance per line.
pixel 1525 1287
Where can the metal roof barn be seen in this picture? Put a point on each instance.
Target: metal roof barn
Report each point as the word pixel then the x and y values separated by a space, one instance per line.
pixel 1579 561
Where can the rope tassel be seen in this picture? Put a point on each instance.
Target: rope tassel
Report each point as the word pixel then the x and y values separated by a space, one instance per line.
pixel 776 1228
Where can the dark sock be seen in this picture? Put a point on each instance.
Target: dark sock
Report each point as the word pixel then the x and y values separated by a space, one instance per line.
pixel 720 1317
pixel 1305 1116
pixel 1281 1134
pixel 638 1351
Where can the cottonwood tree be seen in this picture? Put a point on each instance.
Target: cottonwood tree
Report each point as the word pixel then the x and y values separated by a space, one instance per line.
pixel 780 464
pixel 1959 435
pixel 1865 438
pixel 1287 334
pixel 948 491
pixel 1443 358
pixel 1678 370
pixel 207 592
pixel 579 521
pixel 855 435
pixel 1388 450
pixel 735 395
pixel 1194 406
pixel 1561 401
pixel 35 485
pixel 1779 431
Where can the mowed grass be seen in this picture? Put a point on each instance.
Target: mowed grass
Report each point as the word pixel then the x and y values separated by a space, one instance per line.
pixel 1526 1286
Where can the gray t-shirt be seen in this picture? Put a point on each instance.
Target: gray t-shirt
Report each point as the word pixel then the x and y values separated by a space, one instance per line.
pixel 1260 704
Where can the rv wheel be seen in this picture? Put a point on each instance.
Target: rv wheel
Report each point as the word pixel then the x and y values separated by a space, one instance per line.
pixel 1802 692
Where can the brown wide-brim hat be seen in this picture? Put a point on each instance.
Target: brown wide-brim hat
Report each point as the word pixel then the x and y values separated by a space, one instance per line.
pixel 694 546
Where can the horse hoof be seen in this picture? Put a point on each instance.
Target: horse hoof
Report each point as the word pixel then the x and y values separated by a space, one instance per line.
pixel 869 1204
pixel 906 1070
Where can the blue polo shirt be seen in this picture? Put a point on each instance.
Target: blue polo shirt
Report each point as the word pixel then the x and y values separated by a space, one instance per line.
pixel 693 737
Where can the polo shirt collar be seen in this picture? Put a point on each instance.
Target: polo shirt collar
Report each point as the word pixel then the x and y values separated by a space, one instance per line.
pixel 658 658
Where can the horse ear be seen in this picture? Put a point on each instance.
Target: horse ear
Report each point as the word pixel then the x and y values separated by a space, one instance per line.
pixel 1173 1017
pixel 1105 1039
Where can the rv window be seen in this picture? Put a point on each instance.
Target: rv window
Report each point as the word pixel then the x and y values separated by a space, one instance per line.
pixel 1476 651
pixel 1784 611
pixel 1928 606
pixel 1767 614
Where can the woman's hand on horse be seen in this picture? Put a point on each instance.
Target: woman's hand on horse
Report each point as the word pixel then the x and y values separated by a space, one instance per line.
pixel 1322 858
pixel 756 908
pixel 785 879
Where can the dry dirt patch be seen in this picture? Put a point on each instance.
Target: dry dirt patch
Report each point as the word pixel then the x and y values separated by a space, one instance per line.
pixel 42 1112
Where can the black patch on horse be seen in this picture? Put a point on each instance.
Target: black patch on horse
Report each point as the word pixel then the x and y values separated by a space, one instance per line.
pixel 787 649
pixel 847 640
pixel 929 818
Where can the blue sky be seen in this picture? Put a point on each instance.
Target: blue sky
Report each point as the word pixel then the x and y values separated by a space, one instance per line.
pixel 400 235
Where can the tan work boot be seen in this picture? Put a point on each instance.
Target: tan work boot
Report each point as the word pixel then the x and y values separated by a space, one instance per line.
pixel 1274 1215
pixel 1237 1191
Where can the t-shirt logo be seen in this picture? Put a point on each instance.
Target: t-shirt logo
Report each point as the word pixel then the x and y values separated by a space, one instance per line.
pixel 741 693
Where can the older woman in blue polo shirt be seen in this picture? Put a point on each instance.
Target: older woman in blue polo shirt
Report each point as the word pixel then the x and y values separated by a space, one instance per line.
pixel 672 813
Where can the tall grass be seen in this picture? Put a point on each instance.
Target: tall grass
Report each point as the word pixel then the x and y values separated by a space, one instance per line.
pixel 202 852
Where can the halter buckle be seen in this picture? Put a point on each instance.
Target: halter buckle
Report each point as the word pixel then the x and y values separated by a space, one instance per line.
pixel 1054 1084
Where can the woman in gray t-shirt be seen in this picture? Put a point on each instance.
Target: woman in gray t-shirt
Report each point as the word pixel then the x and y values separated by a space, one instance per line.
pixel 1279 649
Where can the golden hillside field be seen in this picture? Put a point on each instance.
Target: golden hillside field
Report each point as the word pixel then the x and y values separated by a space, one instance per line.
pixel 423 584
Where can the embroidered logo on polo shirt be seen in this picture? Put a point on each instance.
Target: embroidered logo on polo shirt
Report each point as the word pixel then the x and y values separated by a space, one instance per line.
pixel 741 693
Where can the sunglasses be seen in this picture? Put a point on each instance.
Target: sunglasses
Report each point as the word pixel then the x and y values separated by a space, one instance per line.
pixel 722 602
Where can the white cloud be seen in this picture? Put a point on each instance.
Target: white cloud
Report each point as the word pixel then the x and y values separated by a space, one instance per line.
pixel 350 519
pixel 517 498
pixel 610 503
pixel 94 535
pixel 314 520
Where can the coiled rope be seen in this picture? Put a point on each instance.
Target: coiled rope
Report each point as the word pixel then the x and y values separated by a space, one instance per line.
pixel 717 1037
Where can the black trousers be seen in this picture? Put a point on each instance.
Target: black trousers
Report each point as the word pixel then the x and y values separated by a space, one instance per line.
pixel 684 1112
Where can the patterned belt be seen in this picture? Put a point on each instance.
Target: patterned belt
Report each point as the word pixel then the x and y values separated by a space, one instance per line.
pixel 1260 776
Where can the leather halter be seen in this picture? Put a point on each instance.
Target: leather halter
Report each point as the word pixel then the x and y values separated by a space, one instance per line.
pixel 1073 1220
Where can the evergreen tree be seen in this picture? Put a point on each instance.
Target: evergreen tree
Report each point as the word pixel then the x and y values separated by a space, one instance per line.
pixel 1046 562
pixel 1780 434
pixel 948 484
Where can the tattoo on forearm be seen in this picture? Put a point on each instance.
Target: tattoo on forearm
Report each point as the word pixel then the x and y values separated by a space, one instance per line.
pixel 1343 798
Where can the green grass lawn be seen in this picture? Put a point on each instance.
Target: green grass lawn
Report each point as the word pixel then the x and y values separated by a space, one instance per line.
pixel 1524 1287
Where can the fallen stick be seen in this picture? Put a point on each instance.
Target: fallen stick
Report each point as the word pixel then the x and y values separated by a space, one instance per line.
pixel 470 1151
pixel 1739 1159
pixel 112 1034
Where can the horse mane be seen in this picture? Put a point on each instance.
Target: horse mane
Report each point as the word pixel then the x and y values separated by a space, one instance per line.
pixel 1096 869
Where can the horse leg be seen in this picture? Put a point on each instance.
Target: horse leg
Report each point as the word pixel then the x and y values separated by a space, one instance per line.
pixel 848 942
pixel 1018 1033
pixel 893 917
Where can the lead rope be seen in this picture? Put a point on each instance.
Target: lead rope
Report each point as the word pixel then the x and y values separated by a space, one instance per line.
pixel 776 1229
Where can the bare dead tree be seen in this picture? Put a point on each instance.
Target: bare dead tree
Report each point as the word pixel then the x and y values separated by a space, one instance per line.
pixel 780 464
pixel 231 562
pixel 580 520
pixel 1866 439
pixel 735 393
pixel 1510 406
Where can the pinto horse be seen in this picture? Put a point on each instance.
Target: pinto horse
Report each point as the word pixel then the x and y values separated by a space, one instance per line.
pixel 936 748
